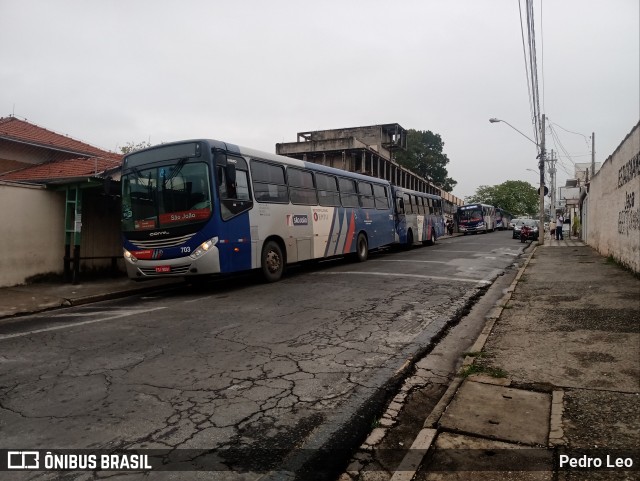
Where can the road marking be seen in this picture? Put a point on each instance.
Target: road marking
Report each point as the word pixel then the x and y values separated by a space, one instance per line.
pixel 407 260
pixel 198 299
pixel 418 276
pixel 65 326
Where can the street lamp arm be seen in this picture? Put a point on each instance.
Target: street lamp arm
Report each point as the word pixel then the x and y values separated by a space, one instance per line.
pixel 494 120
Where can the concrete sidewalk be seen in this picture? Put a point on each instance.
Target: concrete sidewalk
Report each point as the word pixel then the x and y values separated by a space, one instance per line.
pixel 42 296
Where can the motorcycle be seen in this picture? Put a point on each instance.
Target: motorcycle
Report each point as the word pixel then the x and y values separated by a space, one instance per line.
pixel 527 233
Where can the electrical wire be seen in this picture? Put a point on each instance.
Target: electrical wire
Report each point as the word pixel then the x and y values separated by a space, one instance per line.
pixel 526 64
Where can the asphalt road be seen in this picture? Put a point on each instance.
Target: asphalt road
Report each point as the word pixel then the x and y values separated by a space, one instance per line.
pixel 242 379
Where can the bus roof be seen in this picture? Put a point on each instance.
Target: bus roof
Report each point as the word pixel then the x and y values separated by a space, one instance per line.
pixel 258 154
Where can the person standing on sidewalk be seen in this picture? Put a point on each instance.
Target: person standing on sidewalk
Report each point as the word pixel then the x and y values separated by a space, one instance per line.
pixel 552 228
pixel 559 235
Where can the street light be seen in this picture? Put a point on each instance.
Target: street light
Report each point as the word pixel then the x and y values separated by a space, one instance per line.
pixel 541 166
pixel 494 120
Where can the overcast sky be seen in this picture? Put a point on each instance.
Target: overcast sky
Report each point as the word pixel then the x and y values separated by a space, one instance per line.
pixel 256 72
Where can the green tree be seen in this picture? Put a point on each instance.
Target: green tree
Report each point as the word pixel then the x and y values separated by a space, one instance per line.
pixel 424 156
pixel 132 147
pixel 515 196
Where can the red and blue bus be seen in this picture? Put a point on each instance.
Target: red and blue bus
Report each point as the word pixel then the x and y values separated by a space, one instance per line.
pixel 419 217
pixel 202 207
pixel 473 218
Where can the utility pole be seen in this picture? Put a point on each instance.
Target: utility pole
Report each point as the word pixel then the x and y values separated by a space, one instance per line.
pixel 541 166
pixel 552 175
pixel 593 154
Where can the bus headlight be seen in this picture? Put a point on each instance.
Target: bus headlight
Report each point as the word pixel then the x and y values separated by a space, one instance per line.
pixel 203 248
pixel 129 256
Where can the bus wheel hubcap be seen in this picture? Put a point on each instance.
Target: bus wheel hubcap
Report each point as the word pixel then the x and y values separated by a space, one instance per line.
pixel 273 261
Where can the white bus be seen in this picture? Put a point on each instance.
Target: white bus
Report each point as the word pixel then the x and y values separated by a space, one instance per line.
pixel 476 218
pixel 419 217
pixel 202 207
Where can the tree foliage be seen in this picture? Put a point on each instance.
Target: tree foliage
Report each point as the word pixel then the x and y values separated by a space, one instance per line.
pixel 515 196
pixel 424 156
pixel 132 147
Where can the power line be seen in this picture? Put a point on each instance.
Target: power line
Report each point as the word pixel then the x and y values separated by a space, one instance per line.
pixel 526 64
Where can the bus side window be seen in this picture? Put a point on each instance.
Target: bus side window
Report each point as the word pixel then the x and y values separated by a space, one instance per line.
pixel 381 196
pixel 269 184
pixel 301 187
pixel 407 203
pixel 328 194
pixel 348 195
pixel 367 201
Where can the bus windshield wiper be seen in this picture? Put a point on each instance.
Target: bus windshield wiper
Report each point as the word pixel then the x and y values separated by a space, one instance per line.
pixel 176 169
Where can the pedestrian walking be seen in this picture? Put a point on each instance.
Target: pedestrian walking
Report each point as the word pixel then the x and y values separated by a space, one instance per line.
pixel 560 222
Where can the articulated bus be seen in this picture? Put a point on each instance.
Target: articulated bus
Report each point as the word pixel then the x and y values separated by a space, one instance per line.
pixel 419 217
pixel 476 218
pixel 202 207
pixel 502 219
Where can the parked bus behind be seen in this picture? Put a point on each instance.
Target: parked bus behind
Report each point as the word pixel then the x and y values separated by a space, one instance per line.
pixel 419 217
pixel 476 218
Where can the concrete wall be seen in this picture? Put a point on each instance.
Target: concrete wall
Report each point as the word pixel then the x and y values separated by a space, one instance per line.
pixel 32 233
pixel 612 210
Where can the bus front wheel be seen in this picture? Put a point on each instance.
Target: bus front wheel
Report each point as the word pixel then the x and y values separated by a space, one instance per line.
pixel 272 261
pixel 362 248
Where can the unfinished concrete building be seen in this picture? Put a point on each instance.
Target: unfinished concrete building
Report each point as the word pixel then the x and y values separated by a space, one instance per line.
pixel 366 150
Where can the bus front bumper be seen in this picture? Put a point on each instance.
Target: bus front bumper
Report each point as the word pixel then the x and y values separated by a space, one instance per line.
pixel 208 263
pixel 475 228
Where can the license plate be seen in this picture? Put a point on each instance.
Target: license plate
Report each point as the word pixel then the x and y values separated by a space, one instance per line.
pixel 163 268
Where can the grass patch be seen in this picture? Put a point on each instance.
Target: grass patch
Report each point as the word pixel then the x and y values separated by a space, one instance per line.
pixel 479 369
pixel 477 354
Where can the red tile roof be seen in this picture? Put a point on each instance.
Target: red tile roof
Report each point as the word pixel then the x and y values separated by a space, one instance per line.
pixel 91 161
pixel 63 169
pixel 12 128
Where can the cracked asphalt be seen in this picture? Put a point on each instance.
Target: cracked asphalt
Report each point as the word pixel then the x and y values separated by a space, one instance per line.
pixel 238 379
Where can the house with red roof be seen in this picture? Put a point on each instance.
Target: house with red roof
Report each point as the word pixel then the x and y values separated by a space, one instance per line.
pixel 59 212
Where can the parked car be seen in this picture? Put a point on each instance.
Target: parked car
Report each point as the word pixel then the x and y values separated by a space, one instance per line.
pixel 532 223
pixel 513 223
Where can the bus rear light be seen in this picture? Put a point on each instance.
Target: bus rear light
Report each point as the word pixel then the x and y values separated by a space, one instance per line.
pixel 203 248
pixel 236 249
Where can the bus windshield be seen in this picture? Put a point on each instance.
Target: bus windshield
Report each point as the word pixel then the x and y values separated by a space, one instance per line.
pixel 170 195
pixel 470 214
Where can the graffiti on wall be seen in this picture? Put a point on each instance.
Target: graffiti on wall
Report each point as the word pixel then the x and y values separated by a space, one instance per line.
pixel 629 216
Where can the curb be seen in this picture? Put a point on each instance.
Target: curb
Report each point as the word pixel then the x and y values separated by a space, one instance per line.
pixel 90 299
pixel 412 461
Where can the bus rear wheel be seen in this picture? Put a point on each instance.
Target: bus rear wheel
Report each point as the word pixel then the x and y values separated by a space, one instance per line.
pixel 409 240
pixel 272 261
pixel 362 248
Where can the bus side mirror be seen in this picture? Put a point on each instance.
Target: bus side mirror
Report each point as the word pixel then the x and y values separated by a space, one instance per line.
pixel 401 204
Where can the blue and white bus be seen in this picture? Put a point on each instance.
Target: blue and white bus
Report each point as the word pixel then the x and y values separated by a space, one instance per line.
pixel 419 217
pixel 202 207
pixel 476 218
